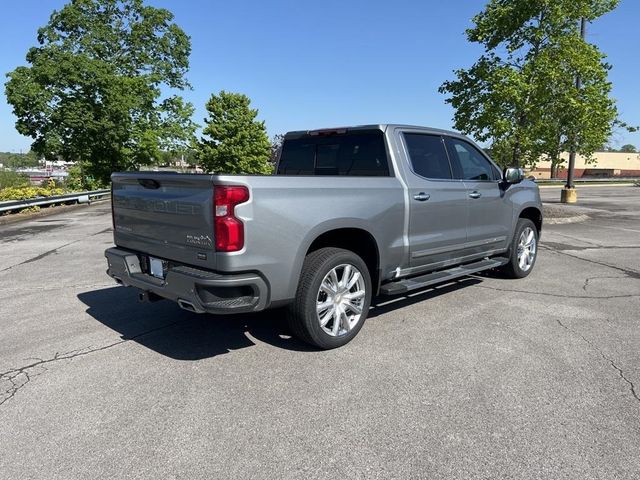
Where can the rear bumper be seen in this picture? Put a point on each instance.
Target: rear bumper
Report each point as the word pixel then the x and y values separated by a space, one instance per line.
pixel 196 290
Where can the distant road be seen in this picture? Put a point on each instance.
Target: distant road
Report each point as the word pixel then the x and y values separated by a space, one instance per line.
pixel 590 185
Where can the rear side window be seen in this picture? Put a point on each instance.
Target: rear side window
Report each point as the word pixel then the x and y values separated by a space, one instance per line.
pixel 468 162
pixel 355 154
pixel 297 158
pixel 428 155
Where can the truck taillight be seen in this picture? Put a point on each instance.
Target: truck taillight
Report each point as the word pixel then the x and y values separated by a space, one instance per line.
pixel 229 230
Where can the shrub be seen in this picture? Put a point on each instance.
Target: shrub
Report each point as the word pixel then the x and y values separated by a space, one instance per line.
pixel 27 191
pixel 76 181
pixel 31 209
pixel 12 179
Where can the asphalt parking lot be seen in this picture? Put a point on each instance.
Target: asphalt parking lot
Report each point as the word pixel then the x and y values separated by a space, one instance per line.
pixel 482 378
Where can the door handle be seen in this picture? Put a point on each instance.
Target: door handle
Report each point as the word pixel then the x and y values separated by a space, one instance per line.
pixel 475 194
pixel 422 197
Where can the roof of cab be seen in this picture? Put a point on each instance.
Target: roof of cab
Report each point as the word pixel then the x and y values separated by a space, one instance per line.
pixel 380 126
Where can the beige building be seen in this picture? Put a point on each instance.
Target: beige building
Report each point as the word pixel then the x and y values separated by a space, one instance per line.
pixel 607 164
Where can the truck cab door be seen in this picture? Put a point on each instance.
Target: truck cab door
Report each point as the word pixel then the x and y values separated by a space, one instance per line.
pixel 489 213
pixel 437 203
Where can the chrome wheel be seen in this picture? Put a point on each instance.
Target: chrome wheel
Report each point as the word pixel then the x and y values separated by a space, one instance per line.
pixel 527 247
pixel 340 300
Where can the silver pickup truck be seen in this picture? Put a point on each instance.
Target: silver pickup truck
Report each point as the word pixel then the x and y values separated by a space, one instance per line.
pixel 350 213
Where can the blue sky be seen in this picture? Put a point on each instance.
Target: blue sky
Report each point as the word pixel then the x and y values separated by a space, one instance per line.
pixel 328 63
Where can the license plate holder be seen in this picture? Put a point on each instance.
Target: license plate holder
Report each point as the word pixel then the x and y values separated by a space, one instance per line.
pixel 157 267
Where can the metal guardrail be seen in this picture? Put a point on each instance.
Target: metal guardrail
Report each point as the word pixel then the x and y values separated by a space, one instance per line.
pixel 76 197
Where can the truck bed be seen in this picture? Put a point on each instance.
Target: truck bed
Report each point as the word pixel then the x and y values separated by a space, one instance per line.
pixel 170 216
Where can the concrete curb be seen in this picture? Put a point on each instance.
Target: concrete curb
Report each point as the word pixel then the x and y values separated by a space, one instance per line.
pixel 560 213
pixel 563 220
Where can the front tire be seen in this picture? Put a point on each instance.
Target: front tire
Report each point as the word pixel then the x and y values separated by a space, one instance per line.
pixel 523 250
pixel 332 299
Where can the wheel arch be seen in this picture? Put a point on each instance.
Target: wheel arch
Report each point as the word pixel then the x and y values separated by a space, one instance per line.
pixel 349 233
pixel 534 214
pixel 357 240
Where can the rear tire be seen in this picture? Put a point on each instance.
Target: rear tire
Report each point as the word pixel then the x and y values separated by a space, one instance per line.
pixel 523 250
pixel 332 299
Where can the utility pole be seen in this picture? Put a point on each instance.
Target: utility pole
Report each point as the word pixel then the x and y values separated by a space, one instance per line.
pixel 569 194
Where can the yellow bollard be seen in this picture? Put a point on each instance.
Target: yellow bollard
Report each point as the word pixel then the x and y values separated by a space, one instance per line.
pixel 568 195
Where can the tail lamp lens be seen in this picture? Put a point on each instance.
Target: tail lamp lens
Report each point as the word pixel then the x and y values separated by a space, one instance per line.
pixel 229 230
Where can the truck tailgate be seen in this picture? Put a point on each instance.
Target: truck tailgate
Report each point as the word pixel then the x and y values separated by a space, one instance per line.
pixel 165 215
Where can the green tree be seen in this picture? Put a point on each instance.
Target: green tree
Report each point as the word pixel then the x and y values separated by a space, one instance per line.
pixel 92 90
pixel 18 160
pixel 79 180
pixel 628 148
pixel 521 95
pixel 237 142
pixel 178 131
pixel 167 158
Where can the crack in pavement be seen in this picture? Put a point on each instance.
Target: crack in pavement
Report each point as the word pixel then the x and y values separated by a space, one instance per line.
pixel 557 295
pixel 19 377
pixel 608 247
pixel 55 250
pixel 594 347
pixel 54 288
pixel 627 272
pixel 561 247
pixel 630 273
pixel 589 279
pixel 575 238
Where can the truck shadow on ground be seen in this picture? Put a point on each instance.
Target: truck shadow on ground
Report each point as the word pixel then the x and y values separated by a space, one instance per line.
pixel 170 331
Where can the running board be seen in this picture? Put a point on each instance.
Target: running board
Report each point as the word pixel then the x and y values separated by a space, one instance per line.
pixel 414 283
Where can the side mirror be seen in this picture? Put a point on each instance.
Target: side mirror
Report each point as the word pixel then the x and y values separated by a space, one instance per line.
pixel 513 175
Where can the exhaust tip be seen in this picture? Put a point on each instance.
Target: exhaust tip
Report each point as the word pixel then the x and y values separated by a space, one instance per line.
pixel 190 307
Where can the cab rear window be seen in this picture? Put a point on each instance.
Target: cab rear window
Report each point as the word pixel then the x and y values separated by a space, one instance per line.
pixel 351 153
